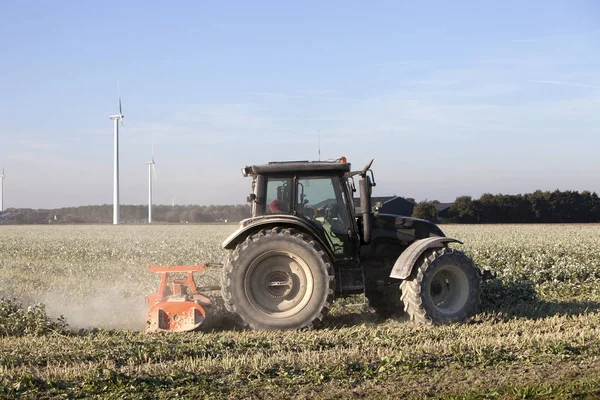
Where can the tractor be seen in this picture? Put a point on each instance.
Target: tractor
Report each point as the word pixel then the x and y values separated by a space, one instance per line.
pixel 306 244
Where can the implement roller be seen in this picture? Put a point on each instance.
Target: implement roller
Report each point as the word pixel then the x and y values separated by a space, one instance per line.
pixel 177 307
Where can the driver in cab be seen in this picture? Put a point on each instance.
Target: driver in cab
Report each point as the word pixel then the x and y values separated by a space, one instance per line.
pixel 281 204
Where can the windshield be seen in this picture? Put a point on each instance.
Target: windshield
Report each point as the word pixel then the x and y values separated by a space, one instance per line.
pixel 322 201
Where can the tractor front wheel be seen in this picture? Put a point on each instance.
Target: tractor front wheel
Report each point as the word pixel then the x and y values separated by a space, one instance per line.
pixel 278 279
pixel 443 288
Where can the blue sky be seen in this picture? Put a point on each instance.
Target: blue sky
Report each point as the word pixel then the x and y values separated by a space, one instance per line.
pixel 450 98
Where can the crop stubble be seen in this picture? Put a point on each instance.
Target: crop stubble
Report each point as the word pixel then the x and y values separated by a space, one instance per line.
pixel 538 330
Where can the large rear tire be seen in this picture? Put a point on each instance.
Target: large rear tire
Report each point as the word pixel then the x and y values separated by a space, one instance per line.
pixel 278 279
pixel 444 288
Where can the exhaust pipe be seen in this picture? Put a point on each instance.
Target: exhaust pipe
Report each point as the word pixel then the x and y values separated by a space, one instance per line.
pixel 365 201
pixel 365 207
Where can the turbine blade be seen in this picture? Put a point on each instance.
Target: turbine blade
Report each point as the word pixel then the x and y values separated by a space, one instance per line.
pixel 153 170
pixel 119 94
pixel 120 108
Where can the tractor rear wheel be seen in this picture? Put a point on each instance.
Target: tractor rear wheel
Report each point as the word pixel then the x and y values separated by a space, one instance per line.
pixel 278 279
pixel 443 288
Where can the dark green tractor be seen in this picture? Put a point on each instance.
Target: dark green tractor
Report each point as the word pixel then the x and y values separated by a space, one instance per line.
pixel 306 244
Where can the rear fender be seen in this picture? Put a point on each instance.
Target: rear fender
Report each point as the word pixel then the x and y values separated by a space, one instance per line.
pixel 406 261
pixel 285 222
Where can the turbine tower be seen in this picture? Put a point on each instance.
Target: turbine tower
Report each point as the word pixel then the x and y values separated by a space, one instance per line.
pixel 2 190
pixel 117 118
pixel 151 170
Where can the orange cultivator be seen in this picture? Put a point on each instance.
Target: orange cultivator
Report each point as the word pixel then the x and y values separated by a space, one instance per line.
pixel 177 307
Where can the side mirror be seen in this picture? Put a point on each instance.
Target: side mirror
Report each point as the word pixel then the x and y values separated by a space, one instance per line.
pixel 372 180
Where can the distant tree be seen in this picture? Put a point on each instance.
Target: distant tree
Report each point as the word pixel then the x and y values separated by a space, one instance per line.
pixel 195 215
pixel 463 210
pixel 21 219
pixel 173 216
pixel 425 210
pixel 591 206
pixel 411 199
pixel 184 216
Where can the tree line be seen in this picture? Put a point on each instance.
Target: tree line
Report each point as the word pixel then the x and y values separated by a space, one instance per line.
pixel 537 207
pixel 130 214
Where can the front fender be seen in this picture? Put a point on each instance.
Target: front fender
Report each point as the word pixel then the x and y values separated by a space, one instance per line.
pixel 405 262
pixel 270 222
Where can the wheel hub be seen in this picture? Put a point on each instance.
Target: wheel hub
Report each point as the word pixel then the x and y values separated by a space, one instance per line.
pixel 439 290
pixel 449 289
pixel 279 284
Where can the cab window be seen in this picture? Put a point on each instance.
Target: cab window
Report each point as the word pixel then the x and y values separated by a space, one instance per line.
pixel 321 200
pixel 278 196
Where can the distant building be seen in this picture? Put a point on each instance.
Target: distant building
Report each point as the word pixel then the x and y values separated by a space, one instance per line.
pixel 443 211
pixel 400 206
pixel 390 205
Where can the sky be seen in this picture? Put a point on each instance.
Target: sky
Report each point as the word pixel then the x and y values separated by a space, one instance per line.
pixel 449 98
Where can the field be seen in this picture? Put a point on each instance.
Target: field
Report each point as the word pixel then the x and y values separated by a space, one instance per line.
pixel 537 334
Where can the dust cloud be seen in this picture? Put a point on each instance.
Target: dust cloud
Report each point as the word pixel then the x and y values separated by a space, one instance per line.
pixel 113 305
pixel 89 301
pixel 121 305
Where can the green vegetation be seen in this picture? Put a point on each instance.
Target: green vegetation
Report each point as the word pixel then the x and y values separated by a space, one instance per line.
pixel 545 207
pixel 15 321
pixel 129 214
pixel 538 207
pixel 425 210
pixel 537 335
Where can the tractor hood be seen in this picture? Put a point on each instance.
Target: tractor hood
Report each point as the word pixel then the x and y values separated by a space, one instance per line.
pixel 404 229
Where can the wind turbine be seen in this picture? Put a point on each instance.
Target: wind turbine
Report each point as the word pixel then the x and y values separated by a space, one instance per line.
pixel 151 169
pixel 2 190
pixel 319 145
pixel 117 118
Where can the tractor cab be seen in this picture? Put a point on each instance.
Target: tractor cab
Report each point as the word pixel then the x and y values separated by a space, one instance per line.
pixel 318 193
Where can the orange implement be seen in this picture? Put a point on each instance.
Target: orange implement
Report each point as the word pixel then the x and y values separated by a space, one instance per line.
pixel 177 307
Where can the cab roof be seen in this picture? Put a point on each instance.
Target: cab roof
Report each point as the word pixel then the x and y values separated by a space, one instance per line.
pixel 287 167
